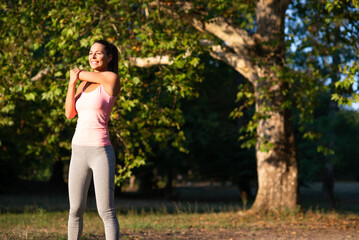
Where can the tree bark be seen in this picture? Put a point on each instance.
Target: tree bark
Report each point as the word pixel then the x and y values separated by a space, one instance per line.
pixel 277 166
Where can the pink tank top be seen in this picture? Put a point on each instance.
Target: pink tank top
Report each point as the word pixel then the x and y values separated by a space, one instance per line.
pixel 94 110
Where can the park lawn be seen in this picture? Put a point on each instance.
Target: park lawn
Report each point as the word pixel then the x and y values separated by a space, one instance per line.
pixel 40 224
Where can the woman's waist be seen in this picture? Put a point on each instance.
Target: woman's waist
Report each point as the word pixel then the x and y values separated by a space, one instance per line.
pixel 91 124
pixel 90 136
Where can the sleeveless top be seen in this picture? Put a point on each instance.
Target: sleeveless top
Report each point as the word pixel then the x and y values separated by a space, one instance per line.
pixel 94 110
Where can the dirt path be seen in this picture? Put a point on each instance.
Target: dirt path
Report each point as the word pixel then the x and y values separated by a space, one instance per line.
pixel 245 234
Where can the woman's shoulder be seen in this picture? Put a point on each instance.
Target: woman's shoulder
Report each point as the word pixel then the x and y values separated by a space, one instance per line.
pixel 111 76
pixel 113 85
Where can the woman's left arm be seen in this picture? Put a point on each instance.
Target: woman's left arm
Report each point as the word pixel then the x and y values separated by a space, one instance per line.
pixel 109 80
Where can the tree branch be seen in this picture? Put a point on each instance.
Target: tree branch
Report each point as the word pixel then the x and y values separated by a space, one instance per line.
pixel 156 60
pixel 41 74
pixel 151 61
pixel 236 38
pixel 240 64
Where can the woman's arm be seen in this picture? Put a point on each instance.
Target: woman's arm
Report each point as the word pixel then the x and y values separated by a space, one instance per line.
pixel 70 109
pixel 108 80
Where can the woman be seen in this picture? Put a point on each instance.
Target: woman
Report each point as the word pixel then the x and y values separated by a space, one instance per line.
pixel 92 152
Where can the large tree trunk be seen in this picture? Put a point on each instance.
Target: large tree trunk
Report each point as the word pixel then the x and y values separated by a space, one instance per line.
pixel 277 164
pixel 276 153
pixel 277 168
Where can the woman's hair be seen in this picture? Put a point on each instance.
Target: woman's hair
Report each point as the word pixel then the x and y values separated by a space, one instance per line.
pixel 110 50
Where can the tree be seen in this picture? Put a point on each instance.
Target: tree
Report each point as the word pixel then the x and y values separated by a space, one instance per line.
pixel 255 46
pixel 260 58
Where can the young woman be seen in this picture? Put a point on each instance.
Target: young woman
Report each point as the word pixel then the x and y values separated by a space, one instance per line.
pixel 92 152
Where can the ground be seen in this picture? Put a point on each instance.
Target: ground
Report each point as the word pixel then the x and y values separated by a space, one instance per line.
pixel 347 195
pixel 211 202
pixel 263 234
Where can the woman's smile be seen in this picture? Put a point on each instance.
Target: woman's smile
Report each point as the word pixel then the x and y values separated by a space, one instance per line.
pixel 98 58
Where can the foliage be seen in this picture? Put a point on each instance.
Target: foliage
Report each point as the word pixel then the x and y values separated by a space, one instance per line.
pixel 149 114
pixel 321 43
pixel 28 105
pixel 211 135
pixel 55 36
pixel 346 130
pixel 347 90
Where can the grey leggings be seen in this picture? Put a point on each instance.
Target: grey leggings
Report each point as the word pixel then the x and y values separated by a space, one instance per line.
pixel 85 162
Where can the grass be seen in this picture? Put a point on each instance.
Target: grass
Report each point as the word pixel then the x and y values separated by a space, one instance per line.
pixel 39 217
pixel 38 223
pixel 44 217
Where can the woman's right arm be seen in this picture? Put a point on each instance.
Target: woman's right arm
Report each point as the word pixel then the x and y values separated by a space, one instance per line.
pixel 70 109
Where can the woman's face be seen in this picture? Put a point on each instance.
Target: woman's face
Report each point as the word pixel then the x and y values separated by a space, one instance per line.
pixel 98 58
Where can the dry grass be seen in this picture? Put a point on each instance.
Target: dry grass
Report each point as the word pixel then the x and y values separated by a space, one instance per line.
pixel 53 225
pixel 34 217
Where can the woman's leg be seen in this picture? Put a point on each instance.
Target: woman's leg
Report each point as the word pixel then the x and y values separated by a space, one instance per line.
pixel 103 167
pixel 79 182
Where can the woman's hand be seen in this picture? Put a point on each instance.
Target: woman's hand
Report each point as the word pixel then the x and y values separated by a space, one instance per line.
pixel 74 75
